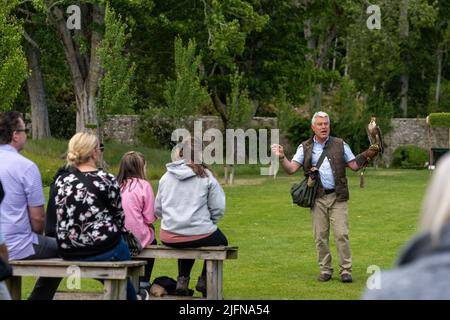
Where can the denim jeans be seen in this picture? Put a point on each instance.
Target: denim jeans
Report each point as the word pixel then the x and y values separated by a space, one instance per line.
pixel 4 293
pixel 119 253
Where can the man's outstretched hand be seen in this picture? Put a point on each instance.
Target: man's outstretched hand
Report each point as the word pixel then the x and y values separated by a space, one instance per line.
pixel 278 150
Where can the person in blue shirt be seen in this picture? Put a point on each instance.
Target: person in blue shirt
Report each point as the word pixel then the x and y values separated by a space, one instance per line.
pixel 4 293
pixel 330 207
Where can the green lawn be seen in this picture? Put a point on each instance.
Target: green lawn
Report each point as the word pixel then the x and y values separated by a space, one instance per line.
pixel 277 258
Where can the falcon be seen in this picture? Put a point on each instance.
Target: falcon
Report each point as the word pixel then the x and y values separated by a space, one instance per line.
pixel 374 133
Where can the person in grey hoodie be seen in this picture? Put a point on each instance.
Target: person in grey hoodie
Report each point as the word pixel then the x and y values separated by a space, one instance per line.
pixel 423 268
pixel 190 202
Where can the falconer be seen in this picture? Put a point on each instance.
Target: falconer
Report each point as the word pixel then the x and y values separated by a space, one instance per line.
pixel 330 206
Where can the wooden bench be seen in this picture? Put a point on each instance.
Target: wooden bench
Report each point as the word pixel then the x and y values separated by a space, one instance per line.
pixel 214 257
pixel 113 273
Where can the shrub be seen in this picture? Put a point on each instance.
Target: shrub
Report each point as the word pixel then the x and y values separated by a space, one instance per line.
pixel 294 126
pixel 439 119
pixel 410 157
pixel 155 129
pixel 298 130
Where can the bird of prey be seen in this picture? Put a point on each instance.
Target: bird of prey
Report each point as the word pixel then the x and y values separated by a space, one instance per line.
pixel 374 134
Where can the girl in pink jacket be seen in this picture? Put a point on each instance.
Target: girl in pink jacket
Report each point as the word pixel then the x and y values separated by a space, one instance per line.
pixel 138 204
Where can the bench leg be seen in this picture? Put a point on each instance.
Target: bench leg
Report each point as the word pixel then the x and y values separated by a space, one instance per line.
pixel 214 272
pixel 134 273
pixel 115 290
pixel 14 285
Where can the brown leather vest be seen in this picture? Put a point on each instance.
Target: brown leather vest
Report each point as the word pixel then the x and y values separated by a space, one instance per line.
pixel 335 150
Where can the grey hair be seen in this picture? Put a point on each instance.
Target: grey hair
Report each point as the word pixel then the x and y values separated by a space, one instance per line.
pixel 319 114
pixel 436 204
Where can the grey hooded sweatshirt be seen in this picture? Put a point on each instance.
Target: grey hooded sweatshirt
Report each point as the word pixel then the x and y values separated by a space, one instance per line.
pixel 188 204
pixel 422 273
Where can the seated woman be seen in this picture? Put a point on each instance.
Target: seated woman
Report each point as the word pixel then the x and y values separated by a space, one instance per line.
pixel 138 205
pixel 89 215
pixel 190 201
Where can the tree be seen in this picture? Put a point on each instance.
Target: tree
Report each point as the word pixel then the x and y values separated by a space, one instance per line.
pixel 117 95
pixel 80 48
pixel 184 95
pixel 239 113
pixel 404 76
pixel 443 44
pixel 228 24
pixel 35 81
pixel 13 67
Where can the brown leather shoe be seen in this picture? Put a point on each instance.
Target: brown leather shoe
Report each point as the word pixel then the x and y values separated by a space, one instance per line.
pixel 346 278
pixel 324 277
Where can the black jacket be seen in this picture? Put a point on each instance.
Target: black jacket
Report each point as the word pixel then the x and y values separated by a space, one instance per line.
pixel 50 223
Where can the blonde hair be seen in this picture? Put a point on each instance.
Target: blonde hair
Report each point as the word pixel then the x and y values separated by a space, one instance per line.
pixel 436 205
pixel 80 149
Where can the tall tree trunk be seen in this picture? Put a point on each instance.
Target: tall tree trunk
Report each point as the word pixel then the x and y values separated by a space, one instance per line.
pixel 440 54
pixel 333 64
pixel 404 82
pixel 311 41
pixel 310 56
pixel 36 92
pixel 404 77
pixel 347 57
pixel 84 67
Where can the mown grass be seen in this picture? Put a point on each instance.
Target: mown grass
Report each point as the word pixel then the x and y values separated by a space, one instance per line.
pixel 277 257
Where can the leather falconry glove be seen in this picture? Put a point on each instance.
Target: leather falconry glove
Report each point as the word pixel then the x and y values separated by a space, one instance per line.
pixel 364 157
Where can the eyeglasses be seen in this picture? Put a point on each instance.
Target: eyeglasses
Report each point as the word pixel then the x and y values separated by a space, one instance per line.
pixel 26 130
pixel 102 147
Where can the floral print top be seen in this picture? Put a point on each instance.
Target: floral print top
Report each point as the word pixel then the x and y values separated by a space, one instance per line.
pixel 89 214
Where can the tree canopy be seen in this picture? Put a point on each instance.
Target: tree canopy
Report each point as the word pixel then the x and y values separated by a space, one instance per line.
pixel 319 54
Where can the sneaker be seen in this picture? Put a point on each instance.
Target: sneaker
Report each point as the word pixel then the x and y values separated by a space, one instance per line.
pixel 182 288
pixel 201 285
pixel 143 295
pixel 324 277
pixel 346 278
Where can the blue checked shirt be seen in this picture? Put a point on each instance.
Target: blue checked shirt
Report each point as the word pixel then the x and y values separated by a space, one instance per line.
pixel 326 173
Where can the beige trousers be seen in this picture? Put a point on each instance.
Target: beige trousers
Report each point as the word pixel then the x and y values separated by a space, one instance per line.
pixel 328 211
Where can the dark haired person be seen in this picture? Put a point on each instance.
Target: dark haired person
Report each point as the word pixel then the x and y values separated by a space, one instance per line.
pixel 190 202
pixel 138 203
pixel 23 217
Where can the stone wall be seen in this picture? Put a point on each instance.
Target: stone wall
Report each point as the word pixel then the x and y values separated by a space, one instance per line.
pixel 412 131
pixel 404 131
pixel 123 128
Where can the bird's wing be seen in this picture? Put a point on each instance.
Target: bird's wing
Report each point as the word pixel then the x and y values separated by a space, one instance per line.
pixel 379 138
